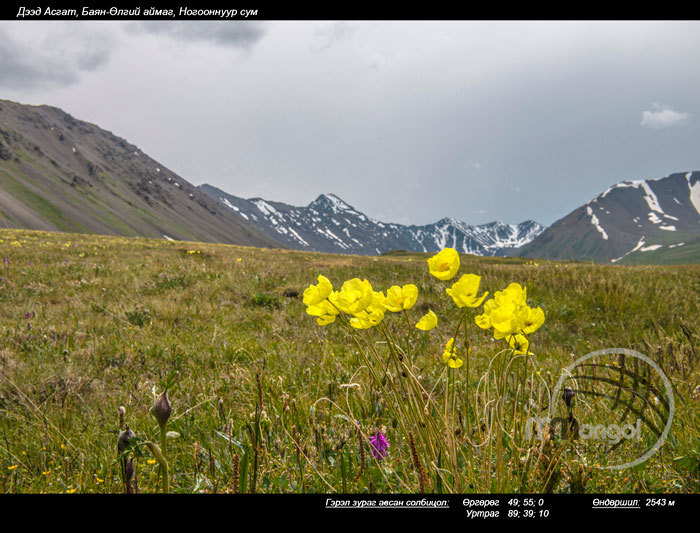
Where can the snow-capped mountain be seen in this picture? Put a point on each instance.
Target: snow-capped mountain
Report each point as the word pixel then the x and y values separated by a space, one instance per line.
pixel 328 224
pixel 631 221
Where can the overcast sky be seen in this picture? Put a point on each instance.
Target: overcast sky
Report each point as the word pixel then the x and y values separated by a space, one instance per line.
pixel 408 122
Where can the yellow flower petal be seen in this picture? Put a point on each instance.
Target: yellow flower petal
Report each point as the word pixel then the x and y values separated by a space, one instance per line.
pixel 464 292
pixel 427 321
pixel 315 294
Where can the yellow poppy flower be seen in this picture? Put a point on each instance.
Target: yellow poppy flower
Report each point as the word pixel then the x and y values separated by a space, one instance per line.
pixel 464 291
pixel 449 356
pixel 520 344
pixel 427 321
pixel 354 296
pixel 315 294
pixel 372 315
pixel 324 311
pixel 400 298
pixel 530 319
pixel 445 264
pixel 483 320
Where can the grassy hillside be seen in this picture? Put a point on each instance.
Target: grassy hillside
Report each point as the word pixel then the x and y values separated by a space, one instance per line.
pixel 62 174
pixel 262 394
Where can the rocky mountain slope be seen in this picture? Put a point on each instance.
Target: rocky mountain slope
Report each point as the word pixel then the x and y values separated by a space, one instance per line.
pixel 642 221
pixel 60 173
pixel 328 224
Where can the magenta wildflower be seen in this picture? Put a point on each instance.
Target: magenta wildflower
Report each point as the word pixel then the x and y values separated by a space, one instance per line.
pixel 379 445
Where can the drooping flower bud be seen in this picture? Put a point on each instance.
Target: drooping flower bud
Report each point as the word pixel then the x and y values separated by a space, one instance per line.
pixel 161 409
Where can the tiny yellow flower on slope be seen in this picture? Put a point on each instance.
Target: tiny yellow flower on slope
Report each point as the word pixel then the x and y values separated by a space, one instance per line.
pixel 427 321
pixel 445 264
pixel 400 298
pixel 315 294
pixel 464 291
pixel 449 356
pixel 354 296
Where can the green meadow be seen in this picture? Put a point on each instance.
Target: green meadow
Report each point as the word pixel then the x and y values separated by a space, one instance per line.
pixel 264 400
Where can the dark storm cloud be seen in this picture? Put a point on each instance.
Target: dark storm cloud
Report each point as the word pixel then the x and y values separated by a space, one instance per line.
pixel 233 33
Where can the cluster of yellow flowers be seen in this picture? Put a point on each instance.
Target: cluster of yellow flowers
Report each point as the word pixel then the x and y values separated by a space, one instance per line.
pixel 507 312
pixel 511 318
pixel 358 299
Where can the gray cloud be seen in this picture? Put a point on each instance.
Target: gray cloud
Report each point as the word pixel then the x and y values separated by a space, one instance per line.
pixel 57 62
pixel 22 69
pixel 330 34
pixel 236 34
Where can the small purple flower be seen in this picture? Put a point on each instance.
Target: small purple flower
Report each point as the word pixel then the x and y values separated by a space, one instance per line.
pixel 379 445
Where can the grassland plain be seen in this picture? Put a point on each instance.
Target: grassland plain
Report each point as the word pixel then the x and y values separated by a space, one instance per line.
pixel 91 323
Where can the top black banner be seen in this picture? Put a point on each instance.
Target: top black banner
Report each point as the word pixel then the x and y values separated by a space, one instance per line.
pixel 253 10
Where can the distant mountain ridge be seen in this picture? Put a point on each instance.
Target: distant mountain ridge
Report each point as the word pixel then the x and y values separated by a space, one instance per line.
pixel 633 221
pixel 60 173
pixel 328 224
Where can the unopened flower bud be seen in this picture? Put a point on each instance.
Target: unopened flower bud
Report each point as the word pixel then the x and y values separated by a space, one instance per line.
pixel 568 395
pixel 161 409
pixel 124 439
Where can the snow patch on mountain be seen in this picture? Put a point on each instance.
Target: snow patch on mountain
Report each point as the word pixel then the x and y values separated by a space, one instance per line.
pixel 596 223
pixel 694 191
pixel 639 245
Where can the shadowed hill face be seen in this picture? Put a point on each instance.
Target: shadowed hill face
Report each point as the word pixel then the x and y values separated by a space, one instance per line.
pixel 60 173
pixel 643 221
